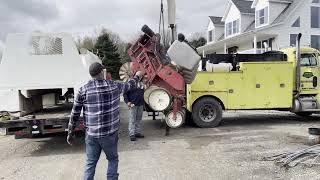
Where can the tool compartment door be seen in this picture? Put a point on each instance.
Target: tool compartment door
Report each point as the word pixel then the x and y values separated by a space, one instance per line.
pixel 263 85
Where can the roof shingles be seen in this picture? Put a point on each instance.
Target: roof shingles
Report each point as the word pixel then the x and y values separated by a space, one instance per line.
pixel 244 6
pixel 216 20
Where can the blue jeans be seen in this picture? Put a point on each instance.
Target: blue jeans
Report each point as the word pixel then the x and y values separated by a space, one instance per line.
pixel 109 145
pixel 135 116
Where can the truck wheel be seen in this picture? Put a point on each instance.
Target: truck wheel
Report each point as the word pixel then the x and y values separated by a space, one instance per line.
pixel 303 113
pixel 207 112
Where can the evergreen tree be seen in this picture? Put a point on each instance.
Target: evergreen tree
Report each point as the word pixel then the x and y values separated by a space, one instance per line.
pixel 108 52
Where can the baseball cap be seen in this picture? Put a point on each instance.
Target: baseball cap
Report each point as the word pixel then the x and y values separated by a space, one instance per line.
pixel 96 68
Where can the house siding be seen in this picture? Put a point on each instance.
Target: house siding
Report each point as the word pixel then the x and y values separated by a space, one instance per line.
pixel 246 21
pixel 233 14
pixel 219 31
pixel 275 10
pixel 283 31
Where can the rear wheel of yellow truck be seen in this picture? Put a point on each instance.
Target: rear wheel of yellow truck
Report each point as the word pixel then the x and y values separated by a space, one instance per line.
pixel 207 112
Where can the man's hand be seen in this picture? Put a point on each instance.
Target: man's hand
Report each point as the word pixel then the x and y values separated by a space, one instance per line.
pixel 71 138
pixel 140 74
pixel 130 105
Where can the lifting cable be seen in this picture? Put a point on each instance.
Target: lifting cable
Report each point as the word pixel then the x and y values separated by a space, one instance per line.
pixel 161 22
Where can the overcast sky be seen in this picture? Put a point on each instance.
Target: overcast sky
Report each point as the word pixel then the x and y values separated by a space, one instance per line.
pixel 81 17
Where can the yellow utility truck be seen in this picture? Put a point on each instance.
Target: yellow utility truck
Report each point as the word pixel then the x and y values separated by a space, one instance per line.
pixel 286 80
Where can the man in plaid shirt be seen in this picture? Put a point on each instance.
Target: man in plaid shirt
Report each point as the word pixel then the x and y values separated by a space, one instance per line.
pixel 99 99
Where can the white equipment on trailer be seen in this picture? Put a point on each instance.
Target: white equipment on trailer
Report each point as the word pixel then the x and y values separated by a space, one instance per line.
pixel 38 64
pixel 35 71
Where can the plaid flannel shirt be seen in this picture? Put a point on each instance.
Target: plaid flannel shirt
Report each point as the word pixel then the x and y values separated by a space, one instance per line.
pixel 100 101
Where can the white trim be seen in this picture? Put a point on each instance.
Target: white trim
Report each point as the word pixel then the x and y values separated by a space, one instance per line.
pixel 230 3
pixel 254 4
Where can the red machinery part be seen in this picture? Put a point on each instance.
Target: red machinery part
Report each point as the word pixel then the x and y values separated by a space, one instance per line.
pixel 146 56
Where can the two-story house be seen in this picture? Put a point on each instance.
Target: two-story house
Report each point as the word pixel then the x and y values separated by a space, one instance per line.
pixel 260 25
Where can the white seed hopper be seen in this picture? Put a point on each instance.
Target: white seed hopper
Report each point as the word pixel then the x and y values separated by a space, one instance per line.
pixel 36 64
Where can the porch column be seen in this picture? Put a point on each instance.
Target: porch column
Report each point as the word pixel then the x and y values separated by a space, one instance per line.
pixel 255 43
pixel 225 48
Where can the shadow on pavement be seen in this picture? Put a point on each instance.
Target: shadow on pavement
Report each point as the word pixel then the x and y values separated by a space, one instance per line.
pixel 196 137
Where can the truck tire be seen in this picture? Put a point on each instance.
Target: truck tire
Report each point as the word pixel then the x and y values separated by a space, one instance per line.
pixel 303 114
pixel 207 113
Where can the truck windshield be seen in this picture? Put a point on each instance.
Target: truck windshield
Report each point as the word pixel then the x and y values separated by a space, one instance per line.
pixel 308 60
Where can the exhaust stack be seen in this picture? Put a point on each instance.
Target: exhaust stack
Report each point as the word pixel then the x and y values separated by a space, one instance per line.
pixel 298 66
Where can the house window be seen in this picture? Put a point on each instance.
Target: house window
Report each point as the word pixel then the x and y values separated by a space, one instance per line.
pixel 315 41
pixel 315 17
pixel 210 36
pixel 262 17
pixel 296 23
pixel 229 29
pixel 261 44
pixel 316 1
pixel 293 39
pixel 233 27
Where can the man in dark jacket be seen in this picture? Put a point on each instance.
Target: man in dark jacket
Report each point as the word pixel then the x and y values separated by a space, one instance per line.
pixel 134 99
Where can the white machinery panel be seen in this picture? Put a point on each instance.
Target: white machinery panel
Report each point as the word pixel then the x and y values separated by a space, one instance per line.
pixel 183 55
pixel 42 61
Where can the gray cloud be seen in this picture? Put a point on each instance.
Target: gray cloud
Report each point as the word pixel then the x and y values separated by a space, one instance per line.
pixel 80 17
pixel 25 15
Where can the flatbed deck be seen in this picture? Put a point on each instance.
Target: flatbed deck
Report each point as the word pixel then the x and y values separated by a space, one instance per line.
pixel 51 119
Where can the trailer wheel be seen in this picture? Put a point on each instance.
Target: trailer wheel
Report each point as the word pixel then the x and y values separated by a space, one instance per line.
pixel 207 112
pixel 303 114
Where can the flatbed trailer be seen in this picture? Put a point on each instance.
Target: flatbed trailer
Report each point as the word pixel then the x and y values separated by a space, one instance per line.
pixel 53 119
